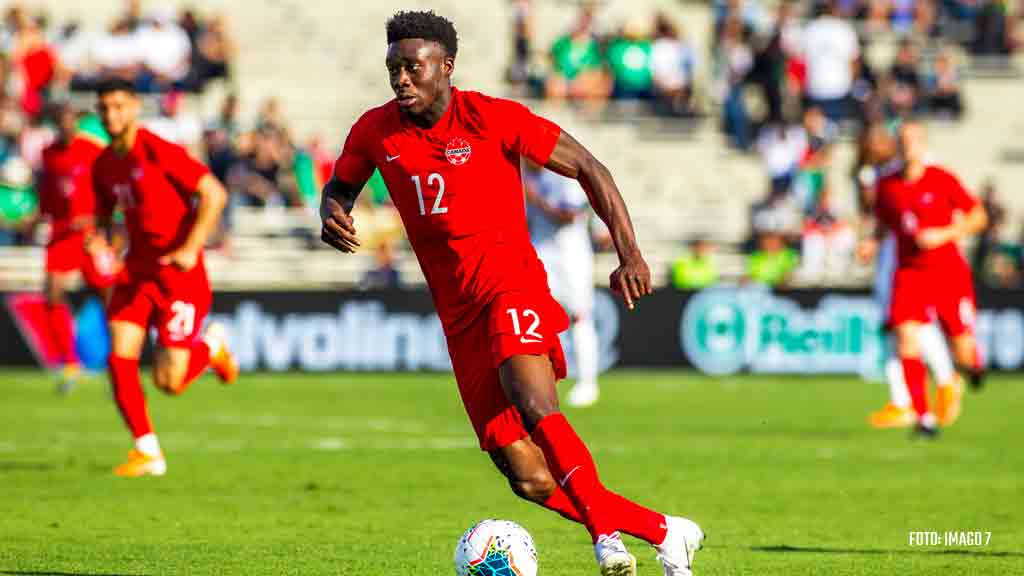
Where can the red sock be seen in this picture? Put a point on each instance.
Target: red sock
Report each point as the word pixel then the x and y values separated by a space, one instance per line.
pixel 198 362
pixel 124 374
pixel 601 511
pixel 62 327
pixel 916 377
pixel 559 502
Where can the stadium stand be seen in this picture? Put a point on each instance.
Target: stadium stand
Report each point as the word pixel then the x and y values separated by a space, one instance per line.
pixel 680 176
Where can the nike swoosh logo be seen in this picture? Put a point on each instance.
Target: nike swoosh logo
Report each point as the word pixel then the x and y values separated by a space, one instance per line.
pixel 390 158
pixel 525 340
pixel 566 479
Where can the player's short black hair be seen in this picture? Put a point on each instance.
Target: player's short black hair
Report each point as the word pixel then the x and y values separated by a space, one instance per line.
pixel 425 25
pixel 115 85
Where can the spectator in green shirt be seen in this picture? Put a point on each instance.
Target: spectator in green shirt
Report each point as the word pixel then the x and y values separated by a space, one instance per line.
pixel 629 58
pixel 772 262
pixel 577 65
pixel 696 268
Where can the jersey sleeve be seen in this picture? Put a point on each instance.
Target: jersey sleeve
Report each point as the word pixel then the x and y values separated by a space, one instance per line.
pixel 179 166
pixel 525 133
pixel 354 165
pixel 959 196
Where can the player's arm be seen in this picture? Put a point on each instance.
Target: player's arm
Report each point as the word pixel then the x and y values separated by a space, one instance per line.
pixel 970 224
pixel 212 198
pixel 336 202
pixel 632 278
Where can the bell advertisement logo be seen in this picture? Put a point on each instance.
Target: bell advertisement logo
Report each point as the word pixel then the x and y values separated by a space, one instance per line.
pixel 728 330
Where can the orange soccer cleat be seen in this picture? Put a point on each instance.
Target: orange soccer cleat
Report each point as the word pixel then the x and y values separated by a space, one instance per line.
pixel 948 401
pixel 892 416
pixel 221 359
pixel 140 464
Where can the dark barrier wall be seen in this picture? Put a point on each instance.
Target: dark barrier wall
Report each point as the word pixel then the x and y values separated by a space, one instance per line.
pixel 718 331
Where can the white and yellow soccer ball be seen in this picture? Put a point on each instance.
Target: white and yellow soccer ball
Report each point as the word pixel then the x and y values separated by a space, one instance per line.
pixel 496 548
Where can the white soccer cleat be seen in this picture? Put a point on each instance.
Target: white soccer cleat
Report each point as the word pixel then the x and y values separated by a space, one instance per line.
pixel 682 540
pixel 583 395
pixel 613 558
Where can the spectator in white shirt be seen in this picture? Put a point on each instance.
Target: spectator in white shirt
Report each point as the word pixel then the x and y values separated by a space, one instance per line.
pixel 673 62
pixel 831 51
pixel 166 50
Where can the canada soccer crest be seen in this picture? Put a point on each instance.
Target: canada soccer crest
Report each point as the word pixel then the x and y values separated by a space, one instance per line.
pixel 458 150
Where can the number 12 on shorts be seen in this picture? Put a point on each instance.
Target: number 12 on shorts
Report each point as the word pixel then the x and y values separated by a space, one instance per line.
pixel 530 336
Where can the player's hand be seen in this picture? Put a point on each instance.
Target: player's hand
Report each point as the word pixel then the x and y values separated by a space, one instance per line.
pixel 631 280
pixel 183 259
pixel 931 238
pixel 97 244
pixel 339 229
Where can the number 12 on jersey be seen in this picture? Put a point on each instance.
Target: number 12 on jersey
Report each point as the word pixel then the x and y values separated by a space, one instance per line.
pixel 434 178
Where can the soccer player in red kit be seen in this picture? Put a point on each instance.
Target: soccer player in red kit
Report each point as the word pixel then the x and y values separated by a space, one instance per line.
pixel 66 199
pixel 170 203
pixel 451 161
pixel 929 211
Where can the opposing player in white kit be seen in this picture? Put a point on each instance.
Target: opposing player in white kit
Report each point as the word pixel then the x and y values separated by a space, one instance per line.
pixel 557 216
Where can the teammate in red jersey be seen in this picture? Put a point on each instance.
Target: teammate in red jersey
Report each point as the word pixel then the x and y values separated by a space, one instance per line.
pixel 929 211
pixel 66 199
pixel 164 283
pixel 451 161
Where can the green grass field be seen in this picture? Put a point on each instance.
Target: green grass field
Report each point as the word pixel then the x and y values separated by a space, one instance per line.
pixel 379 474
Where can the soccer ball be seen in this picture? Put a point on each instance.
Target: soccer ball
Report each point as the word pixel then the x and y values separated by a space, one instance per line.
pixel 496 548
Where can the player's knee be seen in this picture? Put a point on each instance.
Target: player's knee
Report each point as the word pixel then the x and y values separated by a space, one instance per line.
pixel 533 410
pixel 536 487
pixel 168 382
pixel 907 343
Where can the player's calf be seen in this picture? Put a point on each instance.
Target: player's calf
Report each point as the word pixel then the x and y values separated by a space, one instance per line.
pixel 522 463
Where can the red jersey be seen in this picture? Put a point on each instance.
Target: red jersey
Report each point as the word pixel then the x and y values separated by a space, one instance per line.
pixel 931 201
pixel 458 189
pixel 154 184
pixel 65 188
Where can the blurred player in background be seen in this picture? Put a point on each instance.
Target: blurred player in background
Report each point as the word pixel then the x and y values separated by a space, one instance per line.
pixel 451 162
pixel 881 159
pixel 67 201
pixel 170 203
pixel 929 212
pixel 557 215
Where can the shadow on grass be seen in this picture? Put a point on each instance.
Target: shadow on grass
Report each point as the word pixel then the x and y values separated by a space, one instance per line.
pixel 950 552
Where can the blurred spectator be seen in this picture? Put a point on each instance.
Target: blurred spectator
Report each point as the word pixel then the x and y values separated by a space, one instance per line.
pixel 734 60
pixel 629 58
pixel 827 244
pixel 323 159
pixel 696 267
pixel 782 147
pixel 522 41
pixel 831 50
pixel 165 50
pixel 906 86
pixel 212 54
pixel 991 236
pixel 577 66
pixel 944 88
pixel 673 67
pixel 174 124
pixel 772 262
pixel 115 54
pixel 262 176
pixel 132 16
pixel 34 60
pixel 270 117
pixel 384 275
pixel 993 29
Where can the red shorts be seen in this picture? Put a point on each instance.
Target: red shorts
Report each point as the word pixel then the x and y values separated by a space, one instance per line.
pixel 924 296
pixel 513 324
pixel 66 254
pixel 175 302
